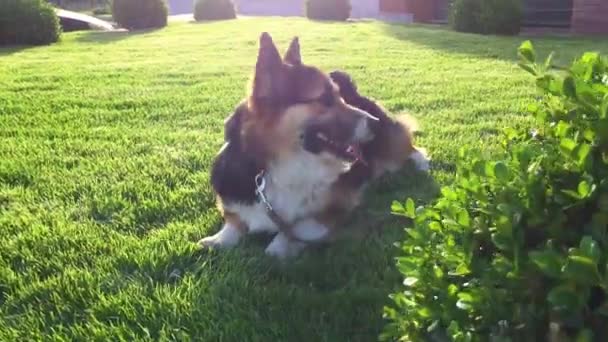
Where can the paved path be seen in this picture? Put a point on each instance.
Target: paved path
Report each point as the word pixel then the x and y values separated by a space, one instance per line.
pixel 291 8
pixel 177 7
pixel 92 21
pixel 283 8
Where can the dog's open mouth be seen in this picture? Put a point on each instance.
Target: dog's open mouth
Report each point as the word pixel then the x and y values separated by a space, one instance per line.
pixel 349 152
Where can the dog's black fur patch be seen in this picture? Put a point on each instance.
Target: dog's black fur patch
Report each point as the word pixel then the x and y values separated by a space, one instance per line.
pixel 360 173
pixel 233 171
pixel 350 94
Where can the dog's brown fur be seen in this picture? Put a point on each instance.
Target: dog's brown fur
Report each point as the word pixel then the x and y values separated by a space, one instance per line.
pixel 277 129
pixel 393 143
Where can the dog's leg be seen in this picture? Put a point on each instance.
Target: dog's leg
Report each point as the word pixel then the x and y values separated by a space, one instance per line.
pixel 310 230
pixel 282 247
pixel 229 236
pixel 306 230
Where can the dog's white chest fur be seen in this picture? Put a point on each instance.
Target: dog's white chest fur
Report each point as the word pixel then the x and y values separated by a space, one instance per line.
pixel 301 186
pixel 297 188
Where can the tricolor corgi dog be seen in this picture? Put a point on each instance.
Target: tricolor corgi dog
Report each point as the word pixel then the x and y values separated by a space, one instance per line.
pixel 299 151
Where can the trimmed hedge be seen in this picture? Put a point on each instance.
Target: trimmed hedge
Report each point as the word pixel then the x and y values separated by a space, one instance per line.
pixel 214 10
pixel 336 10
pixel 516 249
pixel 28 22
pixel 503 17
pixel 140 14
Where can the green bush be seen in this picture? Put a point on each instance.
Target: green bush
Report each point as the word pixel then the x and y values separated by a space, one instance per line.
pixel 338 10
pixel 516 249
pixel 103 9
pixel 29 22
pixel 502 17
pixel 214 10
pixel 140 14
pixel 463 15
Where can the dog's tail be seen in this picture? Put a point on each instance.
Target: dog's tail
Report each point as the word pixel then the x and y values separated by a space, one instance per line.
pixel 410 123
pixel 419 155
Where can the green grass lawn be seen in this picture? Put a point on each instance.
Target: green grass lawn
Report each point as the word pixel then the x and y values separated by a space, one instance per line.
pixel 106 140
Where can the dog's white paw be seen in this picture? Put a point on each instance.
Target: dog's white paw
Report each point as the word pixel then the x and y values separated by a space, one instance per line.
pixel 282 248
pixel 228 237
pixel 310 231
pixel 421 160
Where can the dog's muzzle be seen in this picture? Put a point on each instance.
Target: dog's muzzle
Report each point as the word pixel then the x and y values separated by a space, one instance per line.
pixel 341 139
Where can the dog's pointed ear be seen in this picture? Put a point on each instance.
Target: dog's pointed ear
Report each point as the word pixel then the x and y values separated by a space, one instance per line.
pixel 267 67
pixel 293 56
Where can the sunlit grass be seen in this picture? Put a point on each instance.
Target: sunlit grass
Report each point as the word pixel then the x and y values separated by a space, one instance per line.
pixel 105 145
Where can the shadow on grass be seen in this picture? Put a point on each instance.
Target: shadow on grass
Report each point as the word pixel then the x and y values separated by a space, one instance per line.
pixel 442 38
pixel 332 292
pixel 210 21
pixel 105 37
pixel 9 50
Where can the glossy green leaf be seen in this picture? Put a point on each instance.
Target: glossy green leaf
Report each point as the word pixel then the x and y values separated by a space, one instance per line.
pixel 572 193
pixel 433 326
pixel 501 171
pixel 466 296
pixel 584 189
pixel 410 208
pixel 489 170
pixel 448 193
pixel 438 272
pixel 479 168
pixel 589 135
pixel 465 301
pixel 528 67
pixel 567 145
pixel 526 51
pixel 463 305
pixel 424 312
pixel 561 129
pixel 563 298
pixel 461 270
pixel 397 208
pixel 554 86
pixel 590 249
pixel 414 234
pixel 435 226
pixel 410 281
pixel 452 290
pixel 581 269
pixel 464 219
pixel 589 58
pixel 582 153
pixel 501 242
pixel 549 262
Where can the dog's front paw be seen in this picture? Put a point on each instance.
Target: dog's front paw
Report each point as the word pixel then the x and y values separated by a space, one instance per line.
pixel 228 237
pixel 421 160
pixel 282 248
pixel 213 242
